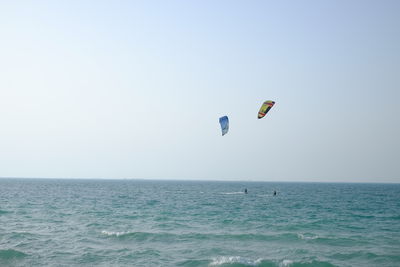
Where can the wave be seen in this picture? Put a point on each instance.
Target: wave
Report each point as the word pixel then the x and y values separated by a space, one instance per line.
pixel 307 236
pixel 223 260
pixel 24 234
pixel 394 217
pixel 354 255
pixel 287 237
pixel 367 256
pixel 339 241
pixel 11 254
pixel 232 193
pixel 241 261
pixel 285 263
pixel 4 212
pixel 332 241
pixel 140 236
pixel 312 263
pixel 117 234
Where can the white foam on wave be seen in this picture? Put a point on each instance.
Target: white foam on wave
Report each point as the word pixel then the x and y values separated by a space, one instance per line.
pixel 307 236
pixel 232 193
pixel 234 259
pixel 113 233
pixel 285 263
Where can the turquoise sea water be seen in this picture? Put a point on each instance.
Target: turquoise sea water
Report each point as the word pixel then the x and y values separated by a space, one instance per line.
pixel 178 223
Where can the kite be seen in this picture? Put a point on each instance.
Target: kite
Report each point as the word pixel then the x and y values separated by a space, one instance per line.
pixel 266 106
pixel 224 121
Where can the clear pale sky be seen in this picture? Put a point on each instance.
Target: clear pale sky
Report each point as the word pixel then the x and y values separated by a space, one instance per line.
pixel 134 89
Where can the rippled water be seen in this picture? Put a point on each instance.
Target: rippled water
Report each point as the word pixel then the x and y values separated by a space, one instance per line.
pixel 177 223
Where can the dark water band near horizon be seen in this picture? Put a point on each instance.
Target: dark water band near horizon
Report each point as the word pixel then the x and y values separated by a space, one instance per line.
pixel 61 222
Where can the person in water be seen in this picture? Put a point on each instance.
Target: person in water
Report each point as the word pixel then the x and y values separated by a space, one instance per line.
pixel 245 190
pixel 274 193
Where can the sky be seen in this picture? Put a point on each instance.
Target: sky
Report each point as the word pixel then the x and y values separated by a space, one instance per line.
pixel 135 89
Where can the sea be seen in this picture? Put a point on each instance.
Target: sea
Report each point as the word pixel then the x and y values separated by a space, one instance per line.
pixel 94 222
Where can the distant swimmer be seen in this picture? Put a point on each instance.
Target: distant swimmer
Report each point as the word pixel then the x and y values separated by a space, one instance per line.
pixel 245 190
pixel 274 193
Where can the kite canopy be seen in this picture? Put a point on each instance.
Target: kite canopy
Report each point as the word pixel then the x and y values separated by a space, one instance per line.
pixel 266 106
pixel 224 121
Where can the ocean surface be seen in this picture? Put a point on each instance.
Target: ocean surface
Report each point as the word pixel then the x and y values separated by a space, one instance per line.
pixel 50 222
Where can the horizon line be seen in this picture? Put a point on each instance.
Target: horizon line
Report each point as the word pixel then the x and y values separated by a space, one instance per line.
pixel 198 180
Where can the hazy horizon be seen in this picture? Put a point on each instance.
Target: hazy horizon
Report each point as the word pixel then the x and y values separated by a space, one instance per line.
pixel 194 180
